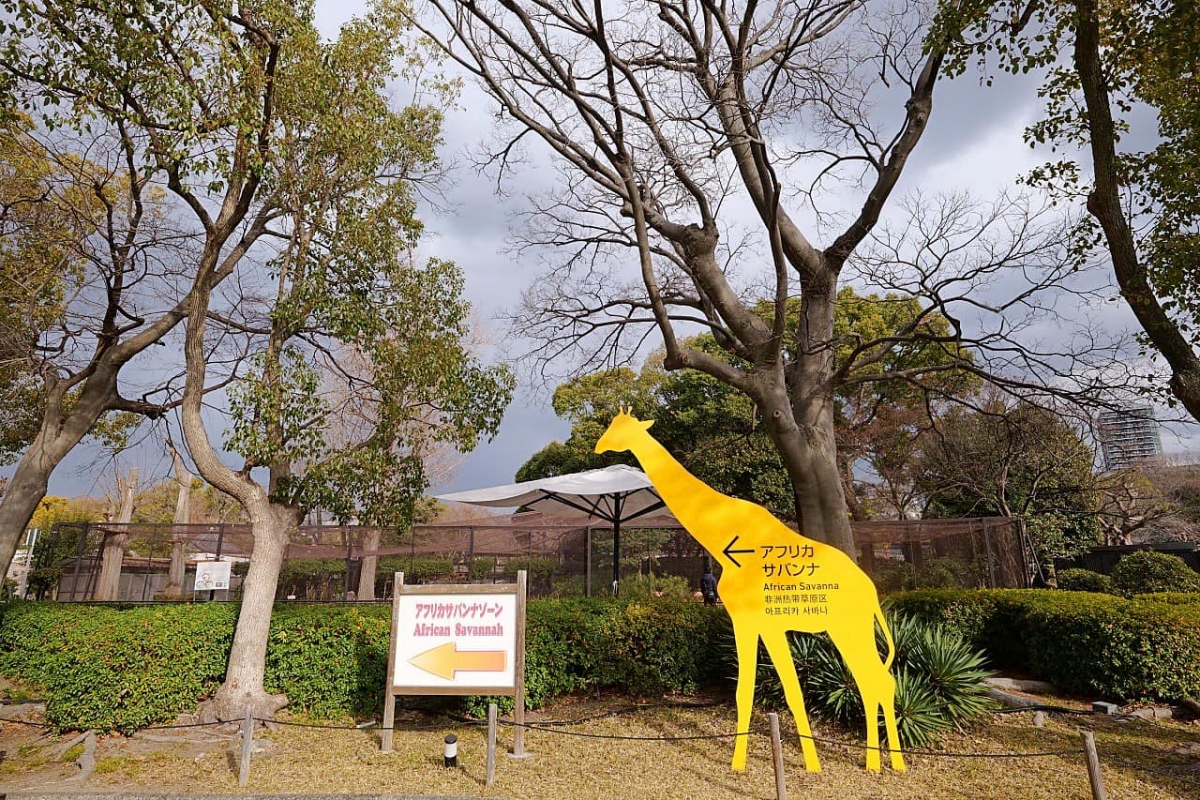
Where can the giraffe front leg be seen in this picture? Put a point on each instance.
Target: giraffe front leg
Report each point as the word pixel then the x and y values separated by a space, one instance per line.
pixel 871 707
pixel 747 654
pixel 781 657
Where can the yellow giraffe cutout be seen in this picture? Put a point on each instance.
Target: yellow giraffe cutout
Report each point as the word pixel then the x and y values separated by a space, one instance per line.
pixel 774 580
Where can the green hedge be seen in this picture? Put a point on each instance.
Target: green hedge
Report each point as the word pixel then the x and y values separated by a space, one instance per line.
pixel 1148 571
pixel 1095 644
pixel 110 669
pixel 1084 580
pixel 114 668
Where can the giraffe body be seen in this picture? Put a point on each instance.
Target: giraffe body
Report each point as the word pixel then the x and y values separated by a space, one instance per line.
pixel 773 580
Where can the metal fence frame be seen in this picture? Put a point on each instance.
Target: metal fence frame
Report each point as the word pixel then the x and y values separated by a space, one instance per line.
pixel 562 557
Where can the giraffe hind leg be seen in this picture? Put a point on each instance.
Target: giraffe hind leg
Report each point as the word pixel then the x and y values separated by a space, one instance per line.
pixel 781 657
pixel 893 737
pixel 875 686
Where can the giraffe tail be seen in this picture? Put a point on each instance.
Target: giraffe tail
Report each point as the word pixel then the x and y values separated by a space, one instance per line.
pixel 887 634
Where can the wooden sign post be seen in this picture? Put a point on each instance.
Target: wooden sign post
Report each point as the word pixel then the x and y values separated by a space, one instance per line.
pixel 457 640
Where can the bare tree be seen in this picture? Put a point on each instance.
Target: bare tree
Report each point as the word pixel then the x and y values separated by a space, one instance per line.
pixel 704 137
pixel 665 113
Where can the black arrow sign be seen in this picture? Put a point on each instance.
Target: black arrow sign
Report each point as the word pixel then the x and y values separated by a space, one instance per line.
pixel 729 551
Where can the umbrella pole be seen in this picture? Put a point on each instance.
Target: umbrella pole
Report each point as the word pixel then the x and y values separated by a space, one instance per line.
pixel 616 565
pixel 616 574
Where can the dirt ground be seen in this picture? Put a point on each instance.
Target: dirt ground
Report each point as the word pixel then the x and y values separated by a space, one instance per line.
pixel 590 760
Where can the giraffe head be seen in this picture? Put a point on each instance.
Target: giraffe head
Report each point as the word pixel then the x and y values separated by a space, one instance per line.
pixel 622 432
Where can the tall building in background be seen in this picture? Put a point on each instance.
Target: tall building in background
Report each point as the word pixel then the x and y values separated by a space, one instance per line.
pixel 1128 435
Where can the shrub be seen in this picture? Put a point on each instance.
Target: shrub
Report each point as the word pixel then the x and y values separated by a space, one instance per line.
pixel 650 586
pixel 1081 642
pixel 481 567
pixel 416 570
pixel 329 660
pixel 110 668
pixel 113 668
pixel 939 680
pixel 569 586
pixel 540 571
pixel 1148 571
pixel 1084 580
pixel 890 575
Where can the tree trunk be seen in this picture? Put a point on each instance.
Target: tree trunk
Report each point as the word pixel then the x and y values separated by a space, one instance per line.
pixel 57 436
pixel 370 562
pixel 272 527
pixel 183 515
pixel 108 586
pixel 809 454
pixel 801 421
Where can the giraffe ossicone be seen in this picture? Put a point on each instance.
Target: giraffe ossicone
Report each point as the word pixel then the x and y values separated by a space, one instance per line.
pixel 773 581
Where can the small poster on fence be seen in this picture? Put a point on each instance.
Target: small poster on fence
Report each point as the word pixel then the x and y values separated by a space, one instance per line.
pixel 211 575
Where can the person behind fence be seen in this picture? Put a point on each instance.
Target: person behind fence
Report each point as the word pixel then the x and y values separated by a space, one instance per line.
pixel 708 587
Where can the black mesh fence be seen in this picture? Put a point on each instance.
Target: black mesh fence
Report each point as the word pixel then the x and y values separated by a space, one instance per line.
pixel 358 563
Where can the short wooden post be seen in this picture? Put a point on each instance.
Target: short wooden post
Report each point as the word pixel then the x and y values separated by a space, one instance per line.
pixel 1093 766
pixel 491 744
pixel 777 758
pixel 247 743
pixel 389 695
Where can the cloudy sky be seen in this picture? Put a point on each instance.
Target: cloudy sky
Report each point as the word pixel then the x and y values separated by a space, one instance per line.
pixel 974 141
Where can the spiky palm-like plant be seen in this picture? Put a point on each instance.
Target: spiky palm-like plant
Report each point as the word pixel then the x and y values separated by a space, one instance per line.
pixel 939 680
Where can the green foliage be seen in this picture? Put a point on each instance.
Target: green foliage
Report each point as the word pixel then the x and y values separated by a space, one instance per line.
pixel 891 575
pixel 121 669
pixel 1013 461
pixel 481 567
pixel 1146 52
pixel 113 669
pixel 1148 571
pixel 39 269
pixel 939 680
pixel 651 586
pixel 540 572
pixel 329 660
pixel 420 569
pixel 1082 642
pixel 1084 580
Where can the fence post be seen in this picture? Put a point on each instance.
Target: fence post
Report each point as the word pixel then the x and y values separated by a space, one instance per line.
pixel 587 562
pixel 491 745
pixel 1093 766
pixel 519 704
pixel 247 743
pixel 83 536
pixel 777 758
pixel 217 557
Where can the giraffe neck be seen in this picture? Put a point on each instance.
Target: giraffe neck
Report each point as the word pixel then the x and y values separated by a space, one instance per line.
pixel 690 499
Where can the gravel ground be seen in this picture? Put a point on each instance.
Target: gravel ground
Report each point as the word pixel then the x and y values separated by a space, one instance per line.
pixel 570 766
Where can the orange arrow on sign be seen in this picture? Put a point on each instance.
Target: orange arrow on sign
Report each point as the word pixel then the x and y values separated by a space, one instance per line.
pixel 446 661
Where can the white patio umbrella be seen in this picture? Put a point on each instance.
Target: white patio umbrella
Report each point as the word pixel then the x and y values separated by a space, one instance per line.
pixel 614 495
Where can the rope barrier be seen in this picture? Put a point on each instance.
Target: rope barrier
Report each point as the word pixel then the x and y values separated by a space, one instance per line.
pixel 1166 774
pixel 1040 707
pixel 557 727
pixel 441 727
pixel 25 722
pixel 822 740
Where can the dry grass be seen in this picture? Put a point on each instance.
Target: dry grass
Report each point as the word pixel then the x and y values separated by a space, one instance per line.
pixel 563 766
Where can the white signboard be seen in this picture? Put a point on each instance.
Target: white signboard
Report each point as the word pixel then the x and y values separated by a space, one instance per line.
pixel 454 639
pixel 461 643
pixel 212 575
